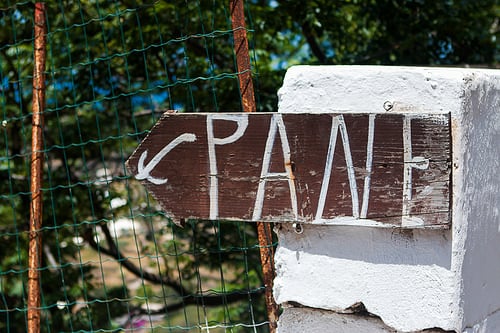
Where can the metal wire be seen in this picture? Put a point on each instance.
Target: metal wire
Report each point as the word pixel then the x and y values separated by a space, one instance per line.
pixel 111 260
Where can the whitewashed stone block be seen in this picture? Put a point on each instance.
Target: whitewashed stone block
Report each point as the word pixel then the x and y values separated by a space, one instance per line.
pixel 413 279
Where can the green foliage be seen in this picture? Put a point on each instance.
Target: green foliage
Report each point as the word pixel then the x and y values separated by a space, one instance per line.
pixel 112 68
pixel 411 32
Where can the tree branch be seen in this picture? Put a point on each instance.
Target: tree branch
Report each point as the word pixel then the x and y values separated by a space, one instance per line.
pixel 188 298
pixel 313 43
pixel 112 251
pixel 206 300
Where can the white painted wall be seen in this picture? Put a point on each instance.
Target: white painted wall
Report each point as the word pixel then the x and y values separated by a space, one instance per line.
pixel 414 279
pixel 480 199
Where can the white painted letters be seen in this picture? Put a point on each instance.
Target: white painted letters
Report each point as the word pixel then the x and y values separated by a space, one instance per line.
pixel 242 121
pixel 144 171
pixel 265 176
pixel 334 169
pixel 410 162
pixel 338 122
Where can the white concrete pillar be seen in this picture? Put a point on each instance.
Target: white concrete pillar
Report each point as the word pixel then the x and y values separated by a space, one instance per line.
pixel 411 279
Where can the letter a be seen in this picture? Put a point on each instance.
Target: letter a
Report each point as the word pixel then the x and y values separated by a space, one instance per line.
pixel 265 176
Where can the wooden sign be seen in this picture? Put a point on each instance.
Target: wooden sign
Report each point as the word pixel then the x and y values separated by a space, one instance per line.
pixel 358 169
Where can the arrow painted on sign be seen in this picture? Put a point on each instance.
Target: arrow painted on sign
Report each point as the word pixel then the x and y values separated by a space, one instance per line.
pixel 144 171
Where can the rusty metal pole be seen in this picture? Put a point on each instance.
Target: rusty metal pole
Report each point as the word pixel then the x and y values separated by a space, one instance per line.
pixel 35 239
pixel 267 260
pixel 248 102
pixel 242 55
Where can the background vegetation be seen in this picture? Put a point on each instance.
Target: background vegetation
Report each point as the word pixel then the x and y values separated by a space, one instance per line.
pixel 113 67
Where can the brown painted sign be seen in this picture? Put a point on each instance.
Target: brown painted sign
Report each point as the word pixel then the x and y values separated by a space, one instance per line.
pixel 358 169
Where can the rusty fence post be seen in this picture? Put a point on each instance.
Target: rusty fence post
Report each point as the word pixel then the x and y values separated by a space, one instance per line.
pixel 242 55
pixel 248 102
pixel 35 239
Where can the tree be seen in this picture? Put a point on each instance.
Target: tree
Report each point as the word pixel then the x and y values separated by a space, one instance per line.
pixel 389 32
pixel 113 67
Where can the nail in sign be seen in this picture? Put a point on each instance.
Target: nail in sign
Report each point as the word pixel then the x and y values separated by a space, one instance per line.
pixel 357 169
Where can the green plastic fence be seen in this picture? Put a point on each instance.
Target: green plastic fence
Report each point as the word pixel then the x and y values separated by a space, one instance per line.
pixel 111 260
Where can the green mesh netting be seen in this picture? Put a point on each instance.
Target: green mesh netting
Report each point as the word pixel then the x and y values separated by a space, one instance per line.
pixel 111 260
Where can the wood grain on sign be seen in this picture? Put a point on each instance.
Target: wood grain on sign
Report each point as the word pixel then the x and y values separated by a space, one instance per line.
pixel 361 169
